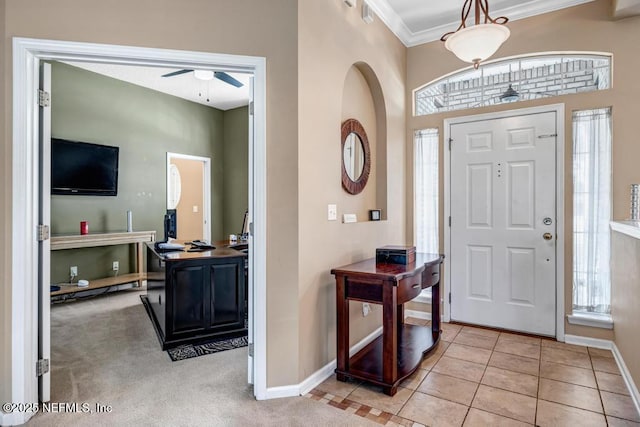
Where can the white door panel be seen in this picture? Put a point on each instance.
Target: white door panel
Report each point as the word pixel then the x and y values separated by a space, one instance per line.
pixel 503 184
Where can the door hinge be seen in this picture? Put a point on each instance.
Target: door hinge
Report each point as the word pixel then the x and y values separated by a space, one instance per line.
pixel 551 135
pixel 450 141
pixel 251 228
pixel 250 349
pixel 43 232
pixel 251 108
pixel 43 98
pixel 449 297
pixel 42 367
pixel 449 221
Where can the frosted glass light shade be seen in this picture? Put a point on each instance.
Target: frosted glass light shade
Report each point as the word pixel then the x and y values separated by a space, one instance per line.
pixel 203 74
pixel 477 43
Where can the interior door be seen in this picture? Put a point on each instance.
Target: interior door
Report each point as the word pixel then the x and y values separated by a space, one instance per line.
pixel 44 246
pixel 503 222
pixel 250 270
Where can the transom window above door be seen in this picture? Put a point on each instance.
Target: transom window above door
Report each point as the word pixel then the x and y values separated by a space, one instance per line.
pixel 515 79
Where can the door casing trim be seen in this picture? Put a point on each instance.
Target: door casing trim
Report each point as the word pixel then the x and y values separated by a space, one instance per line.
pixel 27 54
pixel 560 215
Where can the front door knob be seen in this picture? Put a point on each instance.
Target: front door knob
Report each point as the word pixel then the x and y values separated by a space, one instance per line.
pixel 547 236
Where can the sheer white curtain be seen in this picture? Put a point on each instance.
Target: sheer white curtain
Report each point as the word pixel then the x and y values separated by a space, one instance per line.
pixel 426 190
pixel 591 210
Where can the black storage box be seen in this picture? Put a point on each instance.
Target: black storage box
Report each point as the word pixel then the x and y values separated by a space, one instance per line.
pixel 396 254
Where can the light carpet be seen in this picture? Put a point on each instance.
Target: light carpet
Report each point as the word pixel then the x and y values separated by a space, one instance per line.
pixel 104 350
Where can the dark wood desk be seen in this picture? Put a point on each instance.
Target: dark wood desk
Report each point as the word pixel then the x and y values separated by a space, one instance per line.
pixel 194 296
pixel 396 354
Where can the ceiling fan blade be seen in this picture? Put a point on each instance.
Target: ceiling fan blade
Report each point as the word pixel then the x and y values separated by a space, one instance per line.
pixel 177 73
pixel 221 75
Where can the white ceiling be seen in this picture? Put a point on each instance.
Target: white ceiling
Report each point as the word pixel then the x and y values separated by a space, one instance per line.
pixel 213 93
pixel 420 21
pixel 413 21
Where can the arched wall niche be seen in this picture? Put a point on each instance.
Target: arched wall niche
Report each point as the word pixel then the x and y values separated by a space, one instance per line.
pixel 364 100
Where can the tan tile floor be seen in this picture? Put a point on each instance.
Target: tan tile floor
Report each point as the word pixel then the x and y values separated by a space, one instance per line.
pixel 481 377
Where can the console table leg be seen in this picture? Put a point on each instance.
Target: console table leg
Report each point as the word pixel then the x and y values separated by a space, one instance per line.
pixel 390 329
pixel 342 333
pixel 139 261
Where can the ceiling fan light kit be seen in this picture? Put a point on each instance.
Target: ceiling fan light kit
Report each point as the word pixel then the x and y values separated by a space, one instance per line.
pixel 477 43
pixel 203 74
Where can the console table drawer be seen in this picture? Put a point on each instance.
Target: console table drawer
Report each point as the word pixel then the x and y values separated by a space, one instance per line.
pixel 431 276
pixel 409 288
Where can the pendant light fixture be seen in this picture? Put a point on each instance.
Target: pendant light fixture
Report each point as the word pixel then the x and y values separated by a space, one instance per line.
pixel 476 43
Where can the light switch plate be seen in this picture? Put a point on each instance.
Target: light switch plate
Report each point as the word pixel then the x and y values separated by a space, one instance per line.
pixel 195 208
pixel 332 212
pixel 347 218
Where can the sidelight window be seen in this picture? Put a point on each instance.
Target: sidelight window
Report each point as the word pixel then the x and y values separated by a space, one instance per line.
pixel 426 191
pixel 591 211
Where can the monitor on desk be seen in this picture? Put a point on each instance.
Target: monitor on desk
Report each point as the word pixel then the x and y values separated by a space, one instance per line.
pixel 170 225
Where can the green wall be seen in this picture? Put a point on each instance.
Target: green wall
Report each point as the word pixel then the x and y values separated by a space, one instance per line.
pixel 236 164
pixel 145 124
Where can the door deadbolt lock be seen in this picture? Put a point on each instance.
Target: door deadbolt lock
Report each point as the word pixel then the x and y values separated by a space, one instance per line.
pixel 547 236
pixel 547 221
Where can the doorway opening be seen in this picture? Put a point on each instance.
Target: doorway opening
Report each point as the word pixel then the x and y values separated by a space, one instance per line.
pixel 27 55
pixel 504 201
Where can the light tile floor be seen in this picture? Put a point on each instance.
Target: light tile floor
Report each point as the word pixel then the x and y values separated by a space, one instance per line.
pixel 482 377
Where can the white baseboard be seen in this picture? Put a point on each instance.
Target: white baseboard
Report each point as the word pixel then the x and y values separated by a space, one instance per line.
pixel 423 315
pixel 628 380
pixel 320 375
pixel 588 342
pixel 13 419
pixel 610 345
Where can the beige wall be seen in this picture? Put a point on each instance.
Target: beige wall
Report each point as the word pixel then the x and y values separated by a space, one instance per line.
pixel 246 27
pixel 581 28
pixel 190 223
pixel 332 37
pixel 625 296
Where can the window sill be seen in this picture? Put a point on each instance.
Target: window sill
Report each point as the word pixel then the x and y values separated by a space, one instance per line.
pixel 603 321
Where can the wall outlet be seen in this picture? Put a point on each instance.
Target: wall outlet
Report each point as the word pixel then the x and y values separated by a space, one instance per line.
pixel 116 266
pixel 73 271
pixel 366 309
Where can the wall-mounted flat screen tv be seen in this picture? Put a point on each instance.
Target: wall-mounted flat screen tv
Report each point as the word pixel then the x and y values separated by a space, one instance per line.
pixel 80 168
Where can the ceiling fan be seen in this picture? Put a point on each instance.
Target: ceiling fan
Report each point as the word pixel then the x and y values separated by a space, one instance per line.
pixel 208 75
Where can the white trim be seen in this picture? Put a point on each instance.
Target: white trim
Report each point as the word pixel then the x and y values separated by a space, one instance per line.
pixel 206 187
pixel 318 377
pixel 560 217
pixel 588 342
pixel 423 315
pixel 27 54
pixel 392 20
pixel 610 345
pixel 592 320
pixel 13 419
pixel 628 379
pixel 630 228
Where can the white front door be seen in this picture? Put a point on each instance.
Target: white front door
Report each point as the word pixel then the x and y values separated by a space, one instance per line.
pixel 503 222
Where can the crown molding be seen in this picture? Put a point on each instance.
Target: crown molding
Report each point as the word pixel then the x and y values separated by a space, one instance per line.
pixel 385 12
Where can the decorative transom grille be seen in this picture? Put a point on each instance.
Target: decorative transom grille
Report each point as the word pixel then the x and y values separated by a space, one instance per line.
pixel 515 79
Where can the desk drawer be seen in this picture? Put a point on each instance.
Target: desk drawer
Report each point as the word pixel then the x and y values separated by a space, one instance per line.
pixel 409 288
pixel 431 275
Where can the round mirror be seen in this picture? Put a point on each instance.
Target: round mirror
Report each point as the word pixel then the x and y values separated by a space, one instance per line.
pixel 356 157
pixel 353 156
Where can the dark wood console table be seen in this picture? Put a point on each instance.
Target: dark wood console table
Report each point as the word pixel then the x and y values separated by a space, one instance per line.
pixel 396 354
